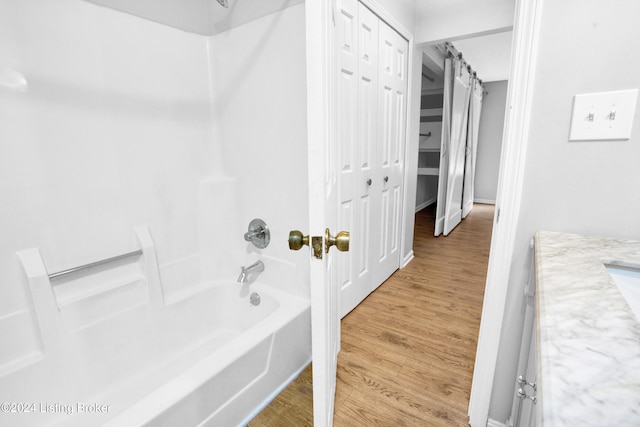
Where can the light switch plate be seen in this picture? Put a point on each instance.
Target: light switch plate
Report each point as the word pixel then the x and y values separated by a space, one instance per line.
pixel 603 115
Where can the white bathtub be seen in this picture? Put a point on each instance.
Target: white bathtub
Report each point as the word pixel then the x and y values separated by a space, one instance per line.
pixel 210 358
pixel 257 351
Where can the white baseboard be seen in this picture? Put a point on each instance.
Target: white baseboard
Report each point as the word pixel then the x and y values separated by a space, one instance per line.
pixel 494 423
pixel 484 201
pixel 407 259
pixel 427 203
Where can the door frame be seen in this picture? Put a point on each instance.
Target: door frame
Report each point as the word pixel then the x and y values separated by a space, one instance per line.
pixel 520 92
pixel 505 224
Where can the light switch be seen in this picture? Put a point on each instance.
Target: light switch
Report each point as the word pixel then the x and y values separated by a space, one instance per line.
pixel 603 115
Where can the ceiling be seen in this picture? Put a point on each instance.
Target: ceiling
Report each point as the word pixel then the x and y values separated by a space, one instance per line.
pixel 488 55
pixel 205 17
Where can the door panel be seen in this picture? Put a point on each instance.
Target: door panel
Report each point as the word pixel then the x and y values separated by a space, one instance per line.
pixel 475 106
pixel 364 255
pixel 457 147
pixel 358 142
pixel 384 227
pixel 346 120
pixel 444 148
pixel 392 122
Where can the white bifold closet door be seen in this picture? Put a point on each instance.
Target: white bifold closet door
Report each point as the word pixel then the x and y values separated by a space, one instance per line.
pixel 371 122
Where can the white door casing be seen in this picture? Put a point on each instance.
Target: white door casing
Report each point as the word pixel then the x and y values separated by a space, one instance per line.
pixel 457 146
pixel 526 30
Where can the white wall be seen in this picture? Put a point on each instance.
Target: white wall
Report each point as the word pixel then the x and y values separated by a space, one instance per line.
pixel 112 130
pixel 260 101
pixel 404 11
pixel 109 122
pixel 411 156
pixel 444 20
pixel 106 125
pixel 490 141
pixel 575 187
pixel 204 17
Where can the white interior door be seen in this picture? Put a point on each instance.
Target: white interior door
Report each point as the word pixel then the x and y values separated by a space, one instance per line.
pixel 323 200
pixel 457 146
pixel 445 143
pixel 475 107
pixel 357 50
pixel 372 62
pixel 392 110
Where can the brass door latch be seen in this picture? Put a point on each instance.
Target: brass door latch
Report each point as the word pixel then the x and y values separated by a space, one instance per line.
pixel 297 240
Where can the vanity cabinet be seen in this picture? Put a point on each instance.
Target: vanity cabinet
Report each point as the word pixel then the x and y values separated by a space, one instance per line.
pixel 527 389
pixel 526 385
pixel 584 344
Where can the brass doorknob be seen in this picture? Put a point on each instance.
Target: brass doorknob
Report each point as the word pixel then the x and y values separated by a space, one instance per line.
pixel 340 241
pixel 297 240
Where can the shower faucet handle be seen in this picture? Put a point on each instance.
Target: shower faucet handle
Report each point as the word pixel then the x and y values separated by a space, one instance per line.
pixel 258 233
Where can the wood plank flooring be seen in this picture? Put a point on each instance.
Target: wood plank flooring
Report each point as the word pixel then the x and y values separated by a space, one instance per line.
pixel 408 349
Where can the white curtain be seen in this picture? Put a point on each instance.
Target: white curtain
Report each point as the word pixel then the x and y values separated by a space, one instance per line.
pixel 475 107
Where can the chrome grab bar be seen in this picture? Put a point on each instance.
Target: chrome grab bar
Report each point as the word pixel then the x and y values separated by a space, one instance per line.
pixel 59 274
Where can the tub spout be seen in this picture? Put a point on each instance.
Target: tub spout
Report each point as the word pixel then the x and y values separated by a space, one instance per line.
pixel 255 268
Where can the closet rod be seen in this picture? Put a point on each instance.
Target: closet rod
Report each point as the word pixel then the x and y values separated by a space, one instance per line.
pixel 431 79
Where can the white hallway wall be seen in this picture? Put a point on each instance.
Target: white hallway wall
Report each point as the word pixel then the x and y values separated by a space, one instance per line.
pixel 575 187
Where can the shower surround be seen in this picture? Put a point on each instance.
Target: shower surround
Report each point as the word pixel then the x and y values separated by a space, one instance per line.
pixel 121 134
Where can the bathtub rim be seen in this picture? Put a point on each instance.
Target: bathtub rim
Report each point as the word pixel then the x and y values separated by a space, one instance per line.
pixel 275 394
pixel 143 411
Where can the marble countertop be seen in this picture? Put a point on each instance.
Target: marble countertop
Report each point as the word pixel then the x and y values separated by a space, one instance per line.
pixel 588 339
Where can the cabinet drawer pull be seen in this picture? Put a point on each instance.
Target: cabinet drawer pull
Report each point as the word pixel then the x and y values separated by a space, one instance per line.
pixel 520 393
pixel 523 381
